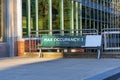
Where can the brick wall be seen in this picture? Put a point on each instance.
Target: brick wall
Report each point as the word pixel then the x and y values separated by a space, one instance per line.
pixel 32 45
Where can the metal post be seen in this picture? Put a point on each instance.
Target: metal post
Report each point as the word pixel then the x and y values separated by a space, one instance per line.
pixel 76 17
pixel 107 17
pixel 110 15
pixel 94 18
pixel 97 18
pixel 40 53
pixel 72 17
pixel 62 16
pixel 105 41
pixel 28 16
pixel 99 52
pixel 50 16
pixel 89 12
pixel 80 18
pixel 101 17
pixel 36 16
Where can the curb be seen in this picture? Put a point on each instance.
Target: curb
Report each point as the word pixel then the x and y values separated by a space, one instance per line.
pixel 109 75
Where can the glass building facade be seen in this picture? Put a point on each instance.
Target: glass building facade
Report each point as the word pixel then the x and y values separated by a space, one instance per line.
pixel 100 14
pixel 77 14
pixel 19 17
pixel 51 15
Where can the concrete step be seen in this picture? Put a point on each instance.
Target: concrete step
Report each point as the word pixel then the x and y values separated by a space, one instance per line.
pixel 44 54
pixel 70 55
pixel 89 55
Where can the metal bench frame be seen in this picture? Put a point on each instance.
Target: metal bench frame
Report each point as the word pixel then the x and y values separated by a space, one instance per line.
pixel 62 48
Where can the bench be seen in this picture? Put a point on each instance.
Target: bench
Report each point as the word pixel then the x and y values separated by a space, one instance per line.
pixel 69 42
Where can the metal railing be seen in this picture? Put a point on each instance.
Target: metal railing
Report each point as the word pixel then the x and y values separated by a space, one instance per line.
pixel 65 32
pixel 111 39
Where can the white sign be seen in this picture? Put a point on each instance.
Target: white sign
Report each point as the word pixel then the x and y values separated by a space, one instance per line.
pixel 93 40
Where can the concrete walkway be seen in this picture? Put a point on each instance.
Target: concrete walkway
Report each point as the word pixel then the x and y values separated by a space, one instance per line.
pixel 6 63
pixel 61 69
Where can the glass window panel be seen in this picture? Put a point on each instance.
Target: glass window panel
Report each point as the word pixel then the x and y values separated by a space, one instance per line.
pixel 67 9
pixel 33 27
pixel 83 23
pixel 43 15
pixel 79 16
pixel 24 17
pixel 55 15
pixel 83 11
pixel 74 15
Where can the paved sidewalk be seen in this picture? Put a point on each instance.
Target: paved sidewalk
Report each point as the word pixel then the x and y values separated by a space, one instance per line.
pixel 61 69
pixel 6 63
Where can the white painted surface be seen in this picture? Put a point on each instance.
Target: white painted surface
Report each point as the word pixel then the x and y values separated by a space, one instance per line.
pixel 93 40
pixel 19 18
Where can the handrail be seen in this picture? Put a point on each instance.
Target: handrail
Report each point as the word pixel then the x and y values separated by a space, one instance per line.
pixel 65 30
pixel 73 31
pixel 110 29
